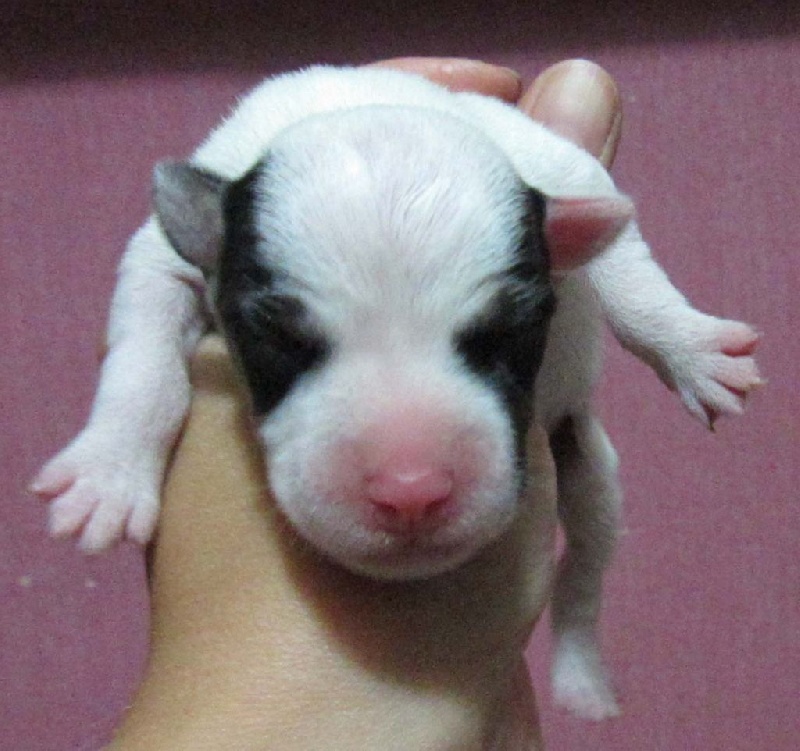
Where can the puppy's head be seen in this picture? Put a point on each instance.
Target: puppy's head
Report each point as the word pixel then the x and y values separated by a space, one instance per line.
pixel 382 278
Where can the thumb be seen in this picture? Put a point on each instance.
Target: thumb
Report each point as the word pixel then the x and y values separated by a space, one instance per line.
pixel 578 100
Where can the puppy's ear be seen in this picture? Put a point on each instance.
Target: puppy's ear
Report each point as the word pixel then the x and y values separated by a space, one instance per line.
pixel 578 229
pixel 189 206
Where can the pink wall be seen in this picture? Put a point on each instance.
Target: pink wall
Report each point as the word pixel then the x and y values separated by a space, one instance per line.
pixel 702 620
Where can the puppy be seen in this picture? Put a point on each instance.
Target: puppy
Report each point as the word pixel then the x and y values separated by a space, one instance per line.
pixel 406 278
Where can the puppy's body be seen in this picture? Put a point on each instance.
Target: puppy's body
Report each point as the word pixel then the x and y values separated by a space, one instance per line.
pixel 372 247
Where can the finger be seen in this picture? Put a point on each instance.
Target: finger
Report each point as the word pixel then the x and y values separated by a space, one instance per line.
pixel 578 100
pixel 236 565
pixel 458 74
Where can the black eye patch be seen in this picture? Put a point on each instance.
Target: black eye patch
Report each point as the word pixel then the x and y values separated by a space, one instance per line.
pixel 274 344
pixel 270 334
pixel 505 345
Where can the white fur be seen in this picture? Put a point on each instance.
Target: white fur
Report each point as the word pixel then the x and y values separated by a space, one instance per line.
pixel 106 483
pixel 375 228
pixel 390 258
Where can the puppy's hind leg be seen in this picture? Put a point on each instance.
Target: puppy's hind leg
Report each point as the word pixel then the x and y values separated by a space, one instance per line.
pixel 589 501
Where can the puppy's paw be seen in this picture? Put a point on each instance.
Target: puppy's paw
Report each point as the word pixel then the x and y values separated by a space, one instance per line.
pixel 580 683
pixel 712 367
pixel 99 493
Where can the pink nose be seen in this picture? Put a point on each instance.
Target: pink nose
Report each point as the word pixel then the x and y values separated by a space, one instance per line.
pixel 404 497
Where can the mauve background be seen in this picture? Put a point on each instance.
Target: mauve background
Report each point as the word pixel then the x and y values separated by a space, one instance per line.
pixel 701 622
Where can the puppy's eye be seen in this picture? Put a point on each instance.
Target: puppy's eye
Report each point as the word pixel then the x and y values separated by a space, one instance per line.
pixel 507 343
pixel 275 345
pixel 485 346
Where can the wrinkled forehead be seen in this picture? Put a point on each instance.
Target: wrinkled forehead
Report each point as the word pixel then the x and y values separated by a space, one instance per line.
pixel 372 211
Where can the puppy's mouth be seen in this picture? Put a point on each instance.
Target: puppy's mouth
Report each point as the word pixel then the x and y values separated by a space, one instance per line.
pixel 411 556
pixel 409 562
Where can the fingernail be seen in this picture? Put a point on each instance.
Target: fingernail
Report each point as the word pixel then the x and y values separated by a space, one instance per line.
pixel 609 150
pixel 578 100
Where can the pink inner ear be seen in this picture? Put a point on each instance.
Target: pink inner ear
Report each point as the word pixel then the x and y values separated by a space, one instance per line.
pixel 578 229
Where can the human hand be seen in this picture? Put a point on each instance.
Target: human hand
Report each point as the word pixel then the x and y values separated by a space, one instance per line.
pixel 257 643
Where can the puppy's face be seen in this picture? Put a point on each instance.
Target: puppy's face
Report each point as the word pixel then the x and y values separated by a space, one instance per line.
pixel 383 284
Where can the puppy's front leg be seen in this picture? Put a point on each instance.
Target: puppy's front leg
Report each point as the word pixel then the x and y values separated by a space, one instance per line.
pixel 708 361
pixel 105 484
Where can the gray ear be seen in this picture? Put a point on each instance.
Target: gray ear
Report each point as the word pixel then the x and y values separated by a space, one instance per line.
pixel 188 203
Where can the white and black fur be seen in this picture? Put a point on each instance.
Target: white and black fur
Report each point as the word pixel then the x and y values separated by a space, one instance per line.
pixel 393 265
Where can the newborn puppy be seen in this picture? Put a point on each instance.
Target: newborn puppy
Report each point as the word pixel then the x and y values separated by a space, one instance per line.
pixel 394 267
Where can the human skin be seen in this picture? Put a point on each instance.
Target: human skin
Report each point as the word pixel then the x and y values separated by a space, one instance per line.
pixel 259 644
